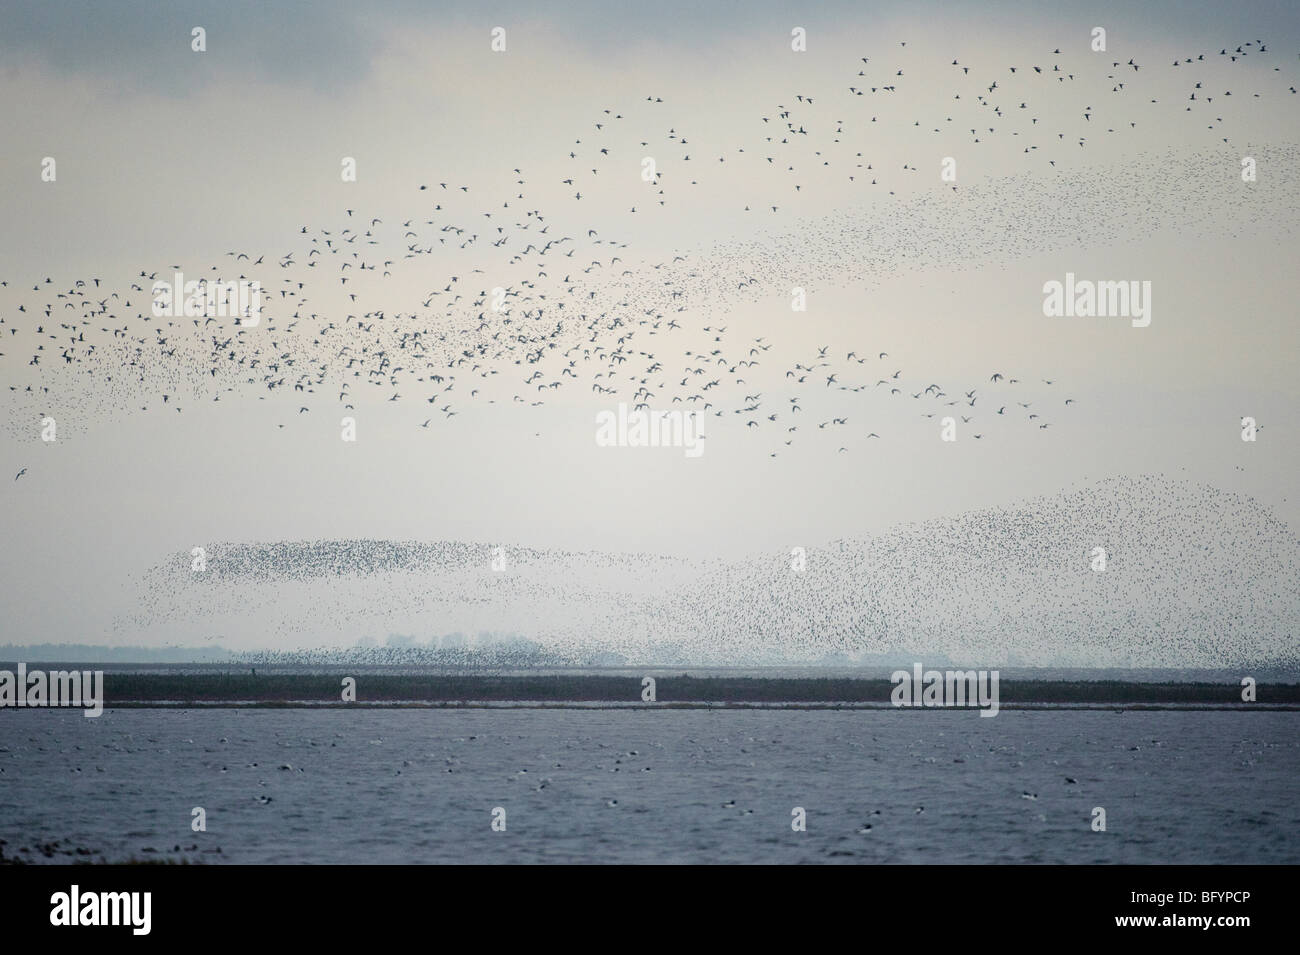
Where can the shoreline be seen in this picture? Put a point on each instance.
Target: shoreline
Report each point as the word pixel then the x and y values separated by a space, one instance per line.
pixel 678 705
pixel 596 691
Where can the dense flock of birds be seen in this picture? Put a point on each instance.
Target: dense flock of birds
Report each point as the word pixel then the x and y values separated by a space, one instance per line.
pixel 1190 576
pixel 527 303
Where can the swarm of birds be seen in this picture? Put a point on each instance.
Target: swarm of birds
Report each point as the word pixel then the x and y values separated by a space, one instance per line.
pixel 531 301
pixel 1188 576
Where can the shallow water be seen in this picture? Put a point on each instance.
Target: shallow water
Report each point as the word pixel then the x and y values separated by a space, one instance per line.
pixel 381 786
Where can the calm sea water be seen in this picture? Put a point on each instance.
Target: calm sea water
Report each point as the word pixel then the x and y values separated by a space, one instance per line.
pixel 389 786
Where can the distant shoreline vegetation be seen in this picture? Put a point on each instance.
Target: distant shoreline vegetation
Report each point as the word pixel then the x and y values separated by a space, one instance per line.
pixel 243 686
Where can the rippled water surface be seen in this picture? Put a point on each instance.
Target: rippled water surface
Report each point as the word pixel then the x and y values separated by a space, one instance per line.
pixel 406 785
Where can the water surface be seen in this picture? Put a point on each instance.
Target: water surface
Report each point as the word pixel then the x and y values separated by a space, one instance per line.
pixel 616 785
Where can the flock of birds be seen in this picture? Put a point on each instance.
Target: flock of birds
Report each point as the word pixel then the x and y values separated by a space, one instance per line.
pixel 530 304
pixel 1192 577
